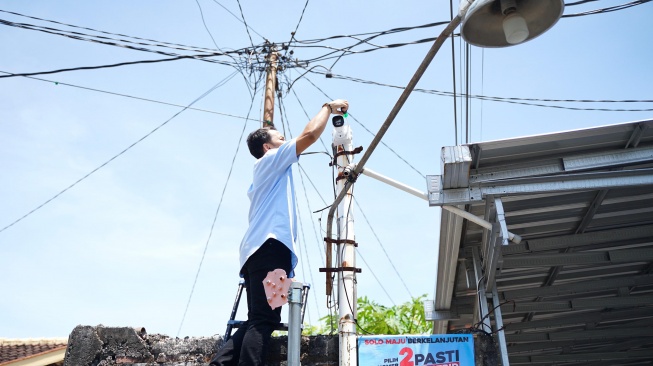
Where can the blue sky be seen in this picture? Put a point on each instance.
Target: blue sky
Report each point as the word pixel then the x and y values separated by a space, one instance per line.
pixel 123 246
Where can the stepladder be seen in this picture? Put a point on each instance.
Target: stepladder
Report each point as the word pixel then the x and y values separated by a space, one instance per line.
pixel 232 323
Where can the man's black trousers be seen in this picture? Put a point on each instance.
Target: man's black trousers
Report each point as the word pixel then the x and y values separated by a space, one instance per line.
pixel 248 346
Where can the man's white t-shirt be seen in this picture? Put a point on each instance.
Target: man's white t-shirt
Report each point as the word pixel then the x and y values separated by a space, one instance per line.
pixel 272 202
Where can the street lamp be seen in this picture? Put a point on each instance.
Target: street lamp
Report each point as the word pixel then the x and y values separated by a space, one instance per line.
pixel 485 23
pixel 504 23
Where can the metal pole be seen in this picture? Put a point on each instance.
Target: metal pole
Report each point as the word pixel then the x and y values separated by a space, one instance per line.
pixel 464 5
pixel 295 323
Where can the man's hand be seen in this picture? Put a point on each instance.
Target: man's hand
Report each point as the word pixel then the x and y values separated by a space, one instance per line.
pixel 338 106
pixel 316 125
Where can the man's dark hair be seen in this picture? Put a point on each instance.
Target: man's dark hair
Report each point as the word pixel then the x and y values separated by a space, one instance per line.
pixel 256 139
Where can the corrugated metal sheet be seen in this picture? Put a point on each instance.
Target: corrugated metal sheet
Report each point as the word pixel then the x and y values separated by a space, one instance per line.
pixel 578 289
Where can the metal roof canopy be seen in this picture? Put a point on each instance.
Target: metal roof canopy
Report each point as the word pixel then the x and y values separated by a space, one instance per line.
pixel 578 288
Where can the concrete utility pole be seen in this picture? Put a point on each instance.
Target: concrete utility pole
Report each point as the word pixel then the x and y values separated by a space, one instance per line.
pixel 270 88
pixel 345 249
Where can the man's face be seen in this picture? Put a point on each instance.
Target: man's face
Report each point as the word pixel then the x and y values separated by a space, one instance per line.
pixel 276 140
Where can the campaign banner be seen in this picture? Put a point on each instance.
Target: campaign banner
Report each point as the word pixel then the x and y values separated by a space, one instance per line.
pixel 435 350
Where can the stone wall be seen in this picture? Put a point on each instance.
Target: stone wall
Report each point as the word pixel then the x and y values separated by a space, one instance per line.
pixel 104 346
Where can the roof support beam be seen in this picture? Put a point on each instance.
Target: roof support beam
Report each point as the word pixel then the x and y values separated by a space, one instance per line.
pixel 582 357
pixel 589 334
pixel 578 287
pixel 439 196
pixel 579 304
pixel 523 349
pixel 581 319
pixel 603 160
pixel 641 233
pixel 563 259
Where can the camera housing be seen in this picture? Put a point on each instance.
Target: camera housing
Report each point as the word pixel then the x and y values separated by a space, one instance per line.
pixel 338 121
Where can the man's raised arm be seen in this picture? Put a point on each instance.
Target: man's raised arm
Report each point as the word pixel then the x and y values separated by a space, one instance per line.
pixel 315 126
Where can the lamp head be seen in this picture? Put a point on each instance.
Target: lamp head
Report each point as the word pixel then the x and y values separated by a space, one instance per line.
pixel 504 23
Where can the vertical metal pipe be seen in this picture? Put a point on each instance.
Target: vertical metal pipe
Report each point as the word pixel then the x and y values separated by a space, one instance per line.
pixel 498 320
pixel 295 323
pixel 481 297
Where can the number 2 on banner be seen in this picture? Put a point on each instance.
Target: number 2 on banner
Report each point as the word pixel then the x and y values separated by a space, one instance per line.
pixel 409 356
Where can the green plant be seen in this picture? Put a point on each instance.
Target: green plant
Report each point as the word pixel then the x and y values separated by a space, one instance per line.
pixel 373 318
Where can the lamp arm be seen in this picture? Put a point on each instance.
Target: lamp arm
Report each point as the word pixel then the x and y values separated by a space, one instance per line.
pixel 455 210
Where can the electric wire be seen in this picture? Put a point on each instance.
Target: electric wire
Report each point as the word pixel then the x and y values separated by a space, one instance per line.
pixel 317 240
pixel 521 101
pixel 237 18
pixel 462 87
pixel 215 217
pixel 580 2
pixel 162 43
pixel 242 15
pixel 249 60
pixel 348 50
pixel 482 91
pixel 608 9
pixel 103 41
pixel 216 44
pixel 205 26
pixel 57 83
pixel 375 277
pixel 294 33
pixel 341 259
pixel 372 133
pixel 467 91
pixel 302 173
pixel 383 247
pixel 156 43
pixel 374 34
pixel 429 25
pixel 312 184
pixel 453 77
pixel 79 68
pixel 304 253
pixel 221 83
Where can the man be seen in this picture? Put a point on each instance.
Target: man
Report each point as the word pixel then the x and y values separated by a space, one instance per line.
pixel 269 241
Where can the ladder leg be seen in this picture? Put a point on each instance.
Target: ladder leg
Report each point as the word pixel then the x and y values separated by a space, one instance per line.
pixel 305 299
pixel 234 310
